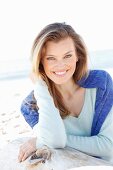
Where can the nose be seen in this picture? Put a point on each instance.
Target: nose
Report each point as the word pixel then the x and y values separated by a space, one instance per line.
pixel 60 64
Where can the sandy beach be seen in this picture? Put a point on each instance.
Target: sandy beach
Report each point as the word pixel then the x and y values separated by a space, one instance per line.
pixel 12 123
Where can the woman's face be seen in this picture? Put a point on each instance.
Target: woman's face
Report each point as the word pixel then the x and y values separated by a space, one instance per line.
pixel 59 60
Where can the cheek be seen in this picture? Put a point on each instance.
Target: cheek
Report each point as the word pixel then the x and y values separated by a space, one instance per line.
pixel 46 67
pixel 72 64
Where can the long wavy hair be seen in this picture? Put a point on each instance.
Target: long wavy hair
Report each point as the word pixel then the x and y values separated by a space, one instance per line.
pixel 56 32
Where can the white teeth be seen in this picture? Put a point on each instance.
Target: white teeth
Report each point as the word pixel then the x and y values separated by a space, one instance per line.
pixel 60 73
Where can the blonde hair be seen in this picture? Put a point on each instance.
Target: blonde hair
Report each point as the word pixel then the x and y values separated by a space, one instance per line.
pixel 56 32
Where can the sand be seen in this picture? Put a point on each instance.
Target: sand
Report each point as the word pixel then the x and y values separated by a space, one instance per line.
pixel 12 123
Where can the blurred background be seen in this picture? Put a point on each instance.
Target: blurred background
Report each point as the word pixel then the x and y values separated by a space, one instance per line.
pixel 20 22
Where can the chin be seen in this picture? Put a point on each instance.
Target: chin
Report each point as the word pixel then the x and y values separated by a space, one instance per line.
pixel 60 82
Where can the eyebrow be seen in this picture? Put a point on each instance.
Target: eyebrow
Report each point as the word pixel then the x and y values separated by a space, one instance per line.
pixel 64 54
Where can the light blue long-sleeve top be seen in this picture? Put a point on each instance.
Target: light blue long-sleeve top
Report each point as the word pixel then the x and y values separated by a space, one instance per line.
pixel 71 131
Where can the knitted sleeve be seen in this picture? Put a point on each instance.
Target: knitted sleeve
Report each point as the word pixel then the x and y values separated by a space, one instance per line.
pixel 100 145
pixel 50 129
pixel 29 110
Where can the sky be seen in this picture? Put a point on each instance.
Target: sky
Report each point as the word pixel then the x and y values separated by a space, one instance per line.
pixel 21 21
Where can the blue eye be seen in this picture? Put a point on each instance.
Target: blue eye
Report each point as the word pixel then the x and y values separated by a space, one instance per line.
pixel 68 56
pixel 50 58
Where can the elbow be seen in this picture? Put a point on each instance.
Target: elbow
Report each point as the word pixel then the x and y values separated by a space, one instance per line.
pixel 108 156
pixel 56 145
pixel 53 140
pixel 61 143
pixel 57 142
pixel 108 149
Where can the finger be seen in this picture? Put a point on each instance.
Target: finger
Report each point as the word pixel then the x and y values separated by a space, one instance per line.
pixel 20 156
pixel 26 155
pixel 21 153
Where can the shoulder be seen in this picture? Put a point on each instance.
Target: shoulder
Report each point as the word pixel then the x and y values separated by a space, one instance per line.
pixel 96 79
pixel 99 74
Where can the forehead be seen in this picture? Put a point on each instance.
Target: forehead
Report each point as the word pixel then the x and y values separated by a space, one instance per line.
pixel 66 44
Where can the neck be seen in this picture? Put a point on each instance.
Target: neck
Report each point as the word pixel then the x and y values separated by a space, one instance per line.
pixel 68 89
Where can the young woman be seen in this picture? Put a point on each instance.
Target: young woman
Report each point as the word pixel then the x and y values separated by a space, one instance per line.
pixel 70 105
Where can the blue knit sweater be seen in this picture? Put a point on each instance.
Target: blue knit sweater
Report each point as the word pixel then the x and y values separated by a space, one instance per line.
pixel 104 100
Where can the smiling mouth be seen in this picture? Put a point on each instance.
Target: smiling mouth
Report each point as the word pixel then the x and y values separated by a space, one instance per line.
pixel 60 73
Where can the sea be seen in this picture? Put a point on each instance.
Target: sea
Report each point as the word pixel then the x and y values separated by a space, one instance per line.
pixel 20 68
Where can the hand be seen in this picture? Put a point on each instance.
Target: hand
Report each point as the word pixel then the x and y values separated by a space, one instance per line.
pixel 27 149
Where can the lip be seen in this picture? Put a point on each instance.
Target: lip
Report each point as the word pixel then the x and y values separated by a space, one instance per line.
pixel 60 73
